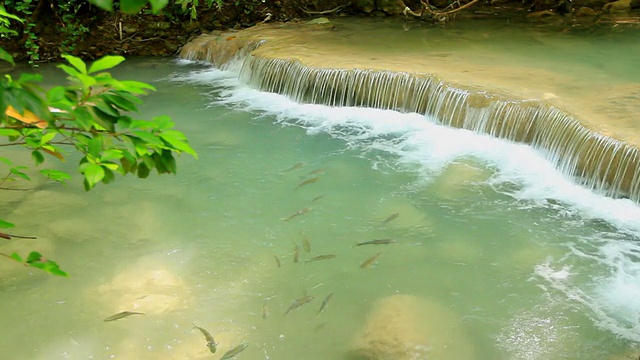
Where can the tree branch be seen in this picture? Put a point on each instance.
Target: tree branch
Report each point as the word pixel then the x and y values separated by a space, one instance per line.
pixel 338 8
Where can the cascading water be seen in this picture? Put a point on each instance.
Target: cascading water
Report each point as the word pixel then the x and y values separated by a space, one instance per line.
pixel 600 163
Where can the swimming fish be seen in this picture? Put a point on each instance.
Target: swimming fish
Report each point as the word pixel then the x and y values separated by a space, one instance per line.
pixel 122 314
pixel 211 343
pixel 320 257
pixel 265 310
pixel 391 217
pixel 297 303
pixel 296 253
pixel 298 213
pixel 235 351
pixel 307 182
pixel 370 261
pixel 296 166
pixel 317 198
pixel 324 303
pixel 305 243
pixel 376 242
pixel 277 261
pixel 314 172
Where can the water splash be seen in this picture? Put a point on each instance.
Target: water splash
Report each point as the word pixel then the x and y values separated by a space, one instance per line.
pixel 600 163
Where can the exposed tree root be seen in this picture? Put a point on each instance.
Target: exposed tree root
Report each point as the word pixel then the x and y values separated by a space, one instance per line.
pixel 441 16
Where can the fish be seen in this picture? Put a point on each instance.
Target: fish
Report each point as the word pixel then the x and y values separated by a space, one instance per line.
pixel 265 310
pixel 298 213
pixel 277 261
pixel 296 253
pixel 324 303
pixel 211 343
pixel 391 217
pixel 294 167
pixel 297 303
pixel 317 198
pixel 320 257
pixel 314 172
pixel 235 351
pixel 370 261
pixel 307 182
pixel 122 314
pixel 376 242
pixel 305 243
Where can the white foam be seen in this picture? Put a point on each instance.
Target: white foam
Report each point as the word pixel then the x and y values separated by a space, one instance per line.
pixel 417 139
pixel 520 172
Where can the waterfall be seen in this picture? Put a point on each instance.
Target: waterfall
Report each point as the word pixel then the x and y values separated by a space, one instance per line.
pixel 603 164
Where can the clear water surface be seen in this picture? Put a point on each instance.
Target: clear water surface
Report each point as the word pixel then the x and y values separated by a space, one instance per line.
pixel 504 257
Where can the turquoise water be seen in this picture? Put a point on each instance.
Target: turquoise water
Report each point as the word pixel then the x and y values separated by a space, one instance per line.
pixel 496 255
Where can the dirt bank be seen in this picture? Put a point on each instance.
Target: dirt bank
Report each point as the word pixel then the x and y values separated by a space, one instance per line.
pixel 99 33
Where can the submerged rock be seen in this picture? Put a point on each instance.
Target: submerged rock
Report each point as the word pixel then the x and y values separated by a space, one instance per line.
pixel 147 286
pixel 406 327
pixel 323 21
pixel 617 6
pixel 585 11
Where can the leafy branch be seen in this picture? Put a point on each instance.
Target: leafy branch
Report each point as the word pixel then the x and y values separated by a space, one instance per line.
pixel 94 115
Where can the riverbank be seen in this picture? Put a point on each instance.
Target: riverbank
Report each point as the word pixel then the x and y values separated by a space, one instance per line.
pixel 99 33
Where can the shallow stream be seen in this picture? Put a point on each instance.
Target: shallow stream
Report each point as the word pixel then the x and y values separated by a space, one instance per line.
pixel 500 256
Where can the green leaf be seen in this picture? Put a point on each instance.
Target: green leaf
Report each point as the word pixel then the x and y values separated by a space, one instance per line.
pixel 16 171
pixel 95 146
pixel 106 62
pixel 136 87
pixel 5 225
pixel 178 141
pixel 9 132
pixel 83 118
pixel 149 138
pixel 112 154
pixel 169 161
pixel 108 176
pixel 128 164
pixel 56 94
pixel 6 57
pixel 132 6
pixel 106 108
pixel 47 137
pixel 76 62
pixel 157 160
pixel 36 260
pixel 143 171
pixel 103 4
pixel 120 102
pixel 69 70
pixel 57 98
pixel 93 174
pixel 56 175
pixel 163 122
pixel 27 78
pixel 87 80
pixel 33 256
pixel 157 5
pixel 6 161
pixel 17 257
pixel 37 156
pixel 4 13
